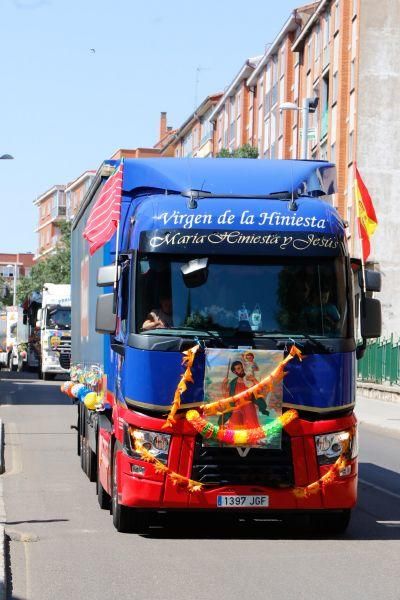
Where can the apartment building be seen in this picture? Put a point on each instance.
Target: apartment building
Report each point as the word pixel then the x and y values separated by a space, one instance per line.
pixel 194 139
pixel 376 139
pixel 231 114
pixel 21 262
pixel 52 209
pixel 75 192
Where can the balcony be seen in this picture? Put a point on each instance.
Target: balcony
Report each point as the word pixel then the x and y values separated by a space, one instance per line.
pixel 58 211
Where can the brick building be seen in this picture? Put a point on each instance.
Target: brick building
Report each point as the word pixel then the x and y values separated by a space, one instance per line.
pixel 231 115
pixel 52 209
pixel 75 191
pixel 194 138
pixel 14 266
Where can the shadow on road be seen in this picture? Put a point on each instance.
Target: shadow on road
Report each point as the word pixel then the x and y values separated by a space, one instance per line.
pixel 27 389
pixel 376 517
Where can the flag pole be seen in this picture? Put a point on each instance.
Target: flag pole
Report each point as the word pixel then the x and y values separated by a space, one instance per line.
pixel 355 189
pixel 116 268
pixel 117 254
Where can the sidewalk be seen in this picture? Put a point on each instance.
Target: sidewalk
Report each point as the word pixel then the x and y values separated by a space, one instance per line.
pixel 378 413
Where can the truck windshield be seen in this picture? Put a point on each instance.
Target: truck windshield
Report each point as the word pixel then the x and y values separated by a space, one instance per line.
pixel 58 318
pixel 265 296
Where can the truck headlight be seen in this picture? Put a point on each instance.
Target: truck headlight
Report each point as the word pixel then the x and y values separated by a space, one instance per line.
pixel 154 442
pixel 331 445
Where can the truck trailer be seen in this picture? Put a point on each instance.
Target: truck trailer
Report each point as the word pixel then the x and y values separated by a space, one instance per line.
pixel 240 270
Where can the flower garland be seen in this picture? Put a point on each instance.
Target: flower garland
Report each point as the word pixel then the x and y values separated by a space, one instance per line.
pixel 329 477
pixel 238 400
pixel 187 361
pixel 239 437
pixel 190 484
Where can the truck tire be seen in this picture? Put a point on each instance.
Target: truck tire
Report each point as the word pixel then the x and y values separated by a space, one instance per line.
pixel 91 463
pixel 331 523
pixel 125 519
pixel 103 498
pixel 82 452
pixel 48 376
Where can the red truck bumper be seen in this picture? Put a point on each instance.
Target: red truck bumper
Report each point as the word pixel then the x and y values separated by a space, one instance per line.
pixel 149 489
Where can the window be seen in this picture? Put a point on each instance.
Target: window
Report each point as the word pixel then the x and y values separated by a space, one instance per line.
pixel 324 105
pixel 325 41
pixel 266 135
pixel 232 120
pixel 335 87
pixel 317 42
pixel 352 74
pixel 308 54
pixel 187 146
pixel 350 147
pixel 337 15
pixel 295 296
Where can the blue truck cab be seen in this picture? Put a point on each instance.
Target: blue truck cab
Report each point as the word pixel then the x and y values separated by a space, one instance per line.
pixel 221 253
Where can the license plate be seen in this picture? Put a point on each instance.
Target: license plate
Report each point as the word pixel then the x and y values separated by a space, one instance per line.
pixel 242 501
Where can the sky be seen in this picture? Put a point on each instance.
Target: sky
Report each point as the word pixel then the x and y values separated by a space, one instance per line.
pixel 81 78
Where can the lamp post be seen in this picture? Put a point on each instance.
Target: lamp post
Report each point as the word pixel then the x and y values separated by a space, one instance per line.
pixel 15 269
pixel 309 106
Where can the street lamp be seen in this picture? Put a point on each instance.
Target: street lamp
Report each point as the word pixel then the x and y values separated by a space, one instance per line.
pixel 309 106
pixel 15 269
pixel 6 157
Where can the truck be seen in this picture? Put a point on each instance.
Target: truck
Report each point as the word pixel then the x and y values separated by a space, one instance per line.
pixel 3 339
pixel 48 316
pixel 13 338
pixel 225 317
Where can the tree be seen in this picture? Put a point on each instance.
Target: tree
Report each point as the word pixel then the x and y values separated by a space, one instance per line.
pixel 245 151
pixel 56 268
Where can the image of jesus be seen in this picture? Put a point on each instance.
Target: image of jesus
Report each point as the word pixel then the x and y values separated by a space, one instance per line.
pixel 245 417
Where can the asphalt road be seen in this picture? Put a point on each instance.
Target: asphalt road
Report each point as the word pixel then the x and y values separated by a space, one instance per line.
pixel 61 545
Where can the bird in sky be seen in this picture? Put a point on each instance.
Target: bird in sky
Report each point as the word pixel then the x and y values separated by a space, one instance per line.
pixel 93 50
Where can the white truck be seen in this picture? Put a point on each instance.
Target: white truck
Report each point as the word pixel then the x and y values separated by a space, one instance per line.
pixel 54 323
pixel 13 338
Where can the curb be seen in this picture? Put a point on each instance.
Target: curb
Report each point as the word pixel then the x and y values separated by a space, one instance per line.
pixel 377 391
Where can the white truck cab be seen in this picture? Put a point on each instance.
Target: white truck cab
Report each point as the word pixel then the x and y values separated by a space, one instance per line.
pixel 54 322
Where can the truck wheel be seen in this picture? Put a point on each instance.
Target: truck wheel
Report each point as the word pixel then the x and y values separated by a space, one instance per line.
pixel 334 523
pixel 91 463
pixel 103 498
pixel 48 376
pixel 83 452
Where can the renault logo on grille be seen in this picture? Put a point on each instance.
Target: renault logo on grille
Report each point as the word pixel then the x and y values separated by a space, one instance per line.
pixel 243 452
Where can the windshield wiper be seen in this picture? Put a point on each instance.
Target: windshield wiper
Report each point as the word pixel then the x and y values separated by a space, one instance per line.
pixel 188 330
pixel 315 342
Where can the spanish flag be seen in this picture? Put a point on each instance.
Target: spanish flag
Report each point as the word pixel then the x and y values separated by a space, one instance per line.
pixel 366 217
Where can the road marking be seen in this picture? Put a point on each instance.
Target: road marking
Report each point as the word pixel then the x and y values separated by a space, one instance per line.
pixel 389 523
pixel 378 488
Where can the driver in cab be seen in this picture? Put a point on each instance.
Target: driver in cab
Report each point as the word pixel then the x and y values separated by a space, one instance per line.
pixel 160 318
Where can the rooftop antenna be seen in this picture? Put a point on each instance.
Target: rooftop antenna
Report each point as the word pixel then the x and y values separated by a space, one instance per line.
pixel 196 85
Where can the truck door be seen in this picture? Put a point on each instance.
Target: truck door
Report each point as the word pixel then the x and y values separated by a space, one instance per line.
pixel 121 332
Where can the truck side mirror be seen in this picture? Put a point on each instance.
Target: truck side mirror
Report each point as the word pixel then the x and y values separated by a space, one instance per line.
pixel 371 321
pixel 373 281
pixel 106 319
pixel 106 275
pixel 39 318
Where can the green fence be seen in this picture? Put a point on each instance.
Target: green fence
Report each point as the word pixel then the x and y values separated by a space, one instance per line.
pixel 381 362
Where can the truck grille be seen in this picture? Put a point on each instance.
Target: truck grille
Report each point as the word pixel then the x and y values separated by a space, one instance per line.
pixel 64 350
pixel 224 466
